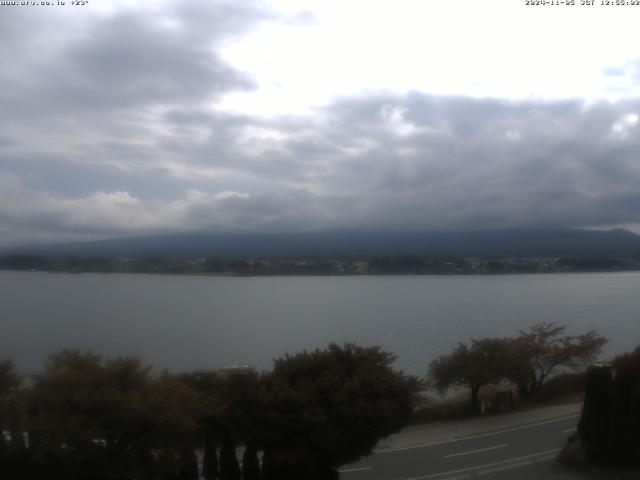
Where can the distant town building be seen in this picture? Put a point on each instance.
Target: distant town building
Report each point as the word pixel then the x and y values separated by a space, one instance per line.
pixel 226 372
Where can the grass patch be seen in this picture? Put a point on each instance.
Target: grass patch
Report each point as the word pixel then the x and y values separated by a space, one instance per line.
pixel 561 389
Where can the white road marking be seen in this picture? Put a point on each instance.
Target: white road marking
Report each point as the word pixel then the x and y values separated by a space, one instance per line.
pixel 569 430
pixel 480 467
pixel 347 470
pixel 506 467
pixel 417 445
pixel 471 437
pixel 475 451
pixel 546 459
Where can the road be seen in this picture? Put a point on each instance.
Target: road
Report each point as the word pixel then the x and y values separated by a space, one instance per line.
pixel 492 455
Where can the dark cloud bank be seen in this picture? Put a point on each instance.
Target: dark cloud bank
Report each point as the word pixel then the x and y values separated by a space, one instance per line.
pixel 112 130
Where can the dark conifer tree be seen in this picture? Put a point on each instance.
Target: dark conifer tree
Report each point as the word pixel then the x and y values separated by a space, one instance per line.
pixel 250 463
pixel 229 468
pixel 3 449
pixel 167 467
pixel 595 423
pixel 210 460
pixel 610 418
pixel 188 464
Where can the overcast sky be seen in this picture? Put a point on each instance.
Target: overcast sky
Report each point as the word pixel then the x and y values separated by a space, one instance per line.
pixel 131 117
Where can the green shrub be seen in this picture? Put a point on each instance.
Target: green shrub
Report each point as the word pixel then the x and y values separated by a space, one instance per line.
pixel 560 387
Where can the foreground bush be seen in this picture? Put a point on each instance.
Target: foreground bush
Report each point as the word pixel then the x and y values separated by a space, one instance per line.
pixel 561 387
pixel 609 428
pixel 90 418
pixel 331 407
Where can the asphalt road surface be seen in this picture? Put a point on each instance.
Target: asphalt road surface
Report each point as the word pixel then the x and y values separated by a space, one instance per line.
pixel 492 455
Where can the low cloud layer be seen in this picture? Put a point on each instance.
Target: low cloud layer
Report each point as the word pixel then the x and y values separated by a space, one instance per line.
pixel 117 132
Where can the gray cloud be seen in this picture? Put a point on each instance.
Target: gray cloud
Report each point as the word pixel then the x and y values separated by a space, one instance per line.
pixel 114 133
pixel 389 162
pixel 67 75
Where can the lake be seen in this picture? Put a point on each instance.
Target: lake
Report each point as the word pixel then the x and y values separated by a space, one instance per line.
pixel 187 322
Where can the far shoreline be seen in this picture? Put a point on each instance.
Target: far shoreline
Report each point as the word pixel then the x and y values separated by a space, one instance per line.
pixel 320 275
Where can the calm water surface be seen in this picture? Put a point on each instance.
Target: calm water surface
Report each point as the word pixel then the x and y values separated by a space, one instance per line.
pixel 186 322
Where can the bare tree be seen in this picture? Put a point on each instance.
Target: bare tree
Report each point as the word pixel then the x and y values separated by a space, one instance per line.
pixel 482 363
pixel 543 350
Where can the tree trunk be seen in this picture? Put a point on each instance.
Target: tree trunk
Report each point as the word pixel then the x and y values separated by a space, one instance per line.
pixel 475 404
pixel 523 391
